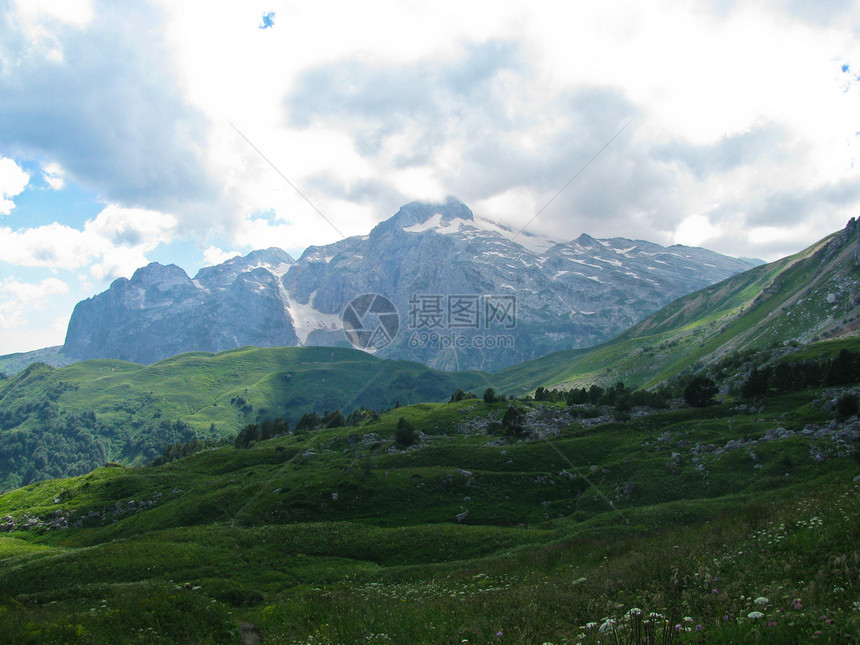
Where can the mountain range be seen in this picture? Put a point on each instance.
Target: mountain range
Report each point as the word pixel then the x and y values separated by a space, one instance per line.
pixel 461 288
pixel 71 419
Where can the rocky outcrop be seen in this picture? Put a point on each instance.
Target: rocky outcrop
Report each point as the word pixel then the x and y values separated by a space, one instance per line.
pixel 161 312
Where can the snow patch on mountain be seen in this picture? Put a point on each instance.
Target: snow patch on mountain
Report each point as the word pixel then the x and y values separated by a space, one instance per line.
pixel 306 318
pixel 530 241
pixel 437 224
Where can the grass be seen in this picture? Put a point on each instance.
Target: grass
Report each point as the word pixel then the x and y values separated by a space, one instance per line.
pixel 106 410
pixel 334 537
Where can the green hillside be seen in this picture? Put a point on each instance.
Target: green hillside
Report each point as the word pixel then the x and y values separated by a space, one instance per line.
pixel 810 296
pixel 57 422
pixel 737 522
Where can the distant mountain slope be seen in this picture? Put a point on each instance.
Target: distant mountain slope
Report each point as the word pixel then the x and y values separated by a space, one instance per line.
pixel 161 312
pixel 812 295
pixel 56 422
pixel 448 274
pixel 14 363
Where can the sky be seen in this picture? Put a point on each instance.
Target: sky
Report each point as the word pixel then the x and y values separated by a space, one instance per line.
pixel 186 131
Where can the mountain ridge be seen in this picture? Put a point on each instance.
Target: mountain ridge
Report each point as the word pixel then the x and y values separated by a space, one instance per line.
pixel 570 294
pixel 808 296
pixel 200 389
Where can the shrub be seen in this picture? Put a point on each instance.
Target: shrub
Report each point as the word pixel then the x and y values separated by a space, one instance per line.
pixel 847 405
pixel 512 422
pixel 756 384
pixel 405 434
pixel 700 392
pixel 460 395
pixel 309 421
pixel 333 419
pixel 247 436
pixel 489 396
pixel 576 396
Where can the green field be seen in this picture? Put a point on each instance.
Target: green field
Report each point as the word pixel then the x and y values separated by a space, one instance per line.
pixel 338 536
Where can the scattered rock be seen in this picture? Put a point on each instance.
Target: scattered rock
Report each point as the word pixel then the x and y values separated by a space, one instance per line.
pixel 629 488
pixel 250 633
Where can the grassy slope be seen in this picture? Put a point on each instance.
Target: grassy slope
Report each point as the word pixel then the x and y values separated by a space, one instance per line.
pixel 770 304
pixel 540 553
pixel 132 401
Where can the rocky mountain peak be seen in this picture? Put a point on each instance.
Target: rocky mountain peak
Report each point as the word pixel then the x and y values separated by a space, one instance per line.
pixel 272 256
pixel 274 259
pixel 585 240
pixel 160 275
pixel 417 217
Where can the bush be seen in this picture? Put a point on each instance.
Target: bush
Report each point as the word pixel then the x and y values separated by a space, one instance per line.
pixel 405 434
pixel 249 435
pixel 489 396
pixel 577 396
pixel 756 384
pixel 460 395
pixel 847 405
pixel 309 421
pixel 333 420
pixel 513 421
pixel 700 392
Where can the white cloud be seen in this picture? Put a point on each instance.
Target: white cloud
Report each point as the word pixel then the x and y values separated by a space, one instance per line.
pixel 133 227
pixel 16 297
pixel 695 230
pixel 96 91
pixel 54 176
pixel 13 181
pixel 213 255
pixel 45 21
pixel 116 240
pixel 76 12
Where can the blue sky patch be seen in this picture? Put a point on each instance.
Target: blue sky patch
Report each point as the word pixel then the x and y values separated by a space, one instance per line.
pixel 268 20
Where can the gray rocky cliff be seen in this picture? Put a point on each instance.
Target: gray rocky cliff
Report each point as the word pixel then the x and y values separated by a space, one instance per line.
pixel 561 294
